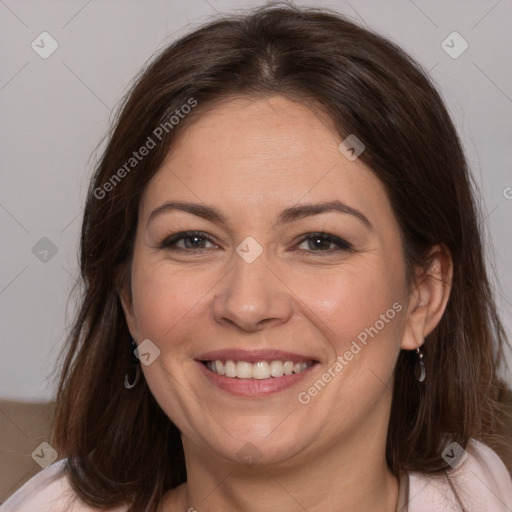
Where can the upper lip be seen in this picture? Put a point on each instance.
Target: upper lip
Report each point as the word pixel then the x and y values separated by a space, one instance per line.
pixel 253 356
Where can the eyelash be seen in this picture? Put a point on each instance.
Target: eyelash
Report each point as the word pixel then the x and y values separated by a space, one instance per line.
pixel 170 242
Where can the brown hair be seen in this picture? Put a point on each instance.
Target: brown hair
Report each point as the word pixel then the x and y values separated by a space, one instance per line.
pixel 120 445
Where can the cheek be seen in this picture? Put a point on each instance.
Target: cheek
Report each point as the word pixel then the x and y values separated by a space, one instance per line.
pixel 165 299
pixel 362 303
pixel 359 314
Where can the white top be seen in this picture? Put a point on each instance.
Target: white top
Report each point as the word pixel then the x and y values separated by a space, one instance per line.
pixel 482 482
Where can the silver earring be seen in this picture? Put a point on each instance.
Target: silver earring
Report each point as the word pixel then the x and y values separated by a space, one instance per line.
pixel 419 371
pixel 136 368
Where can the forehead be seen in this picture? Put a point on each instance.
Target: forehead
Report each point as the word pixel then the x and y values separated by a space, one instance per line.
pixel 259 154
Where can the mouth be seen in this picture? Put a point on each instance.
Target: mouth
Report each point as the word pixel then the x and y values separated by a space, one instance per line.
pixel 255 373
pixel 260 370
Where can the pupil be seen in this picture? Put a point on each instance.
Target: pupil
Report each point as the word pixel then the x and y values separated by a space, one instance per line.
pixel 320 243
pixel 195 241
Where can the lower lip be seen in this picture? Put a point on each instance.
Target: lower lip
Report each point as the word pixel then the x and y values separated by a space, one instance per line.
pixel 254 387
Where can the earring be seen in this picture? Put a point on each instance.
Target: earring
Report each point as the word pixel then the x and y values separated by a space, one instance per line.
pixel 419 371
pixel 136 368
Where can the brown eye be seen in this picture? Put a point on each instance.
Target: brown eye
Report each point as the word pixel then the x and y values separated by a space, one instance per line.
pixel 191 240
pixel 323 242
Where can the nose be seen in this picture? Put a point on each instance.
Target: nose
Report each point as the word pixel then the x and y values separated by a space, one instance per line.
pixel 252 296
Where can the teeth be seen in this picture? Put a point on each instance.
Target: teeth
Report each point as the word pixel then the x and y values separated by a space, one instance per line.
pixel 219 368
pixel 259 370
pixel 276 369
pixel 288 368
pixel 243 369
pixel 230 369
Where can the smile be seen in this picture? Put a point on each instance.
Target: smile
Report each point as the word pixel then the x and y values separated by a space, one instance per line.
pixel 259 370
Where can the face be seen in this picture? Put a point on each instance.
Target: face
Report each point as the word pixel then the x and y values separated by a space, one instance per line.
pixel 233 263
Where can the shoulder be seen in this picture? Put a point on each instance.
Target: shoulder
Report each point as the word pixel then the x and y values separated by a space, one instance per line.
pixel 48 491
pixel 479 479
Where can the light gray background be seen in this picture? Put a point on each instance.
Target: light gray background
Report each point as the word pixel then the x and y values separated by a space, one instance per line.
pixel 55 111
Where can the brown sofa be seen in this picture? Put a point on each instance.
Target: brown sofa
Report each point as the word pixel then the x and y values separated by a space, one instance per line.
pixel 24 426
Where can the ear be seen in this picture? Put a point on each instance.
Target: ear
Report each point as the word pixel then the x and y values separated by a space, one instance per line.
pixel 428 297
pixel 125 296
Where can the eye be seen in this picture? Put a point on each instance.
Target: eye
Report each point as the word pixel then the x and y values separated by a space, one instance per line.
pixel 323 242
pixel 190 239
pixel 198 240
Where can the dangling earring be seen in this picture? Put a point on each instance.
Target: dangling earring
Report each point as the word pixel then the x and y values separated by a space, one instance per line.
pixel 136 368
pixel 419 371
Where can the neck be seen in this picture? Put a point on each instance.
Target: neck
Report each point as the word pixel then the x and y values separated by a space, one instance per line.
pixel 349 476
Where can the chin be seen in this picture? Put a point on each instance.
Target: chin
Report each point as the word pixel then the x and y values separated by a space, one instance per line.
pixel 262 447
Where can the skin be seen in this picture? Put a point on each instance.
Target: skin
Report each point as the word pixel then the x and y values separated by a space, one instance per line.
pixel 252 158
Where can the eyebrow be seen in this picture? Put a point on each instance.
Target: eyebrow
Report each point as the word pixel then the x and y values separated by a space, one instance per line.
pixel 288 215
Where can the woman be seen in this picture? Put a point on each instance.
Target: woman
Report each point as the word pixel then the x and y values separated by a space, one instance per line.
pixel 282 230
